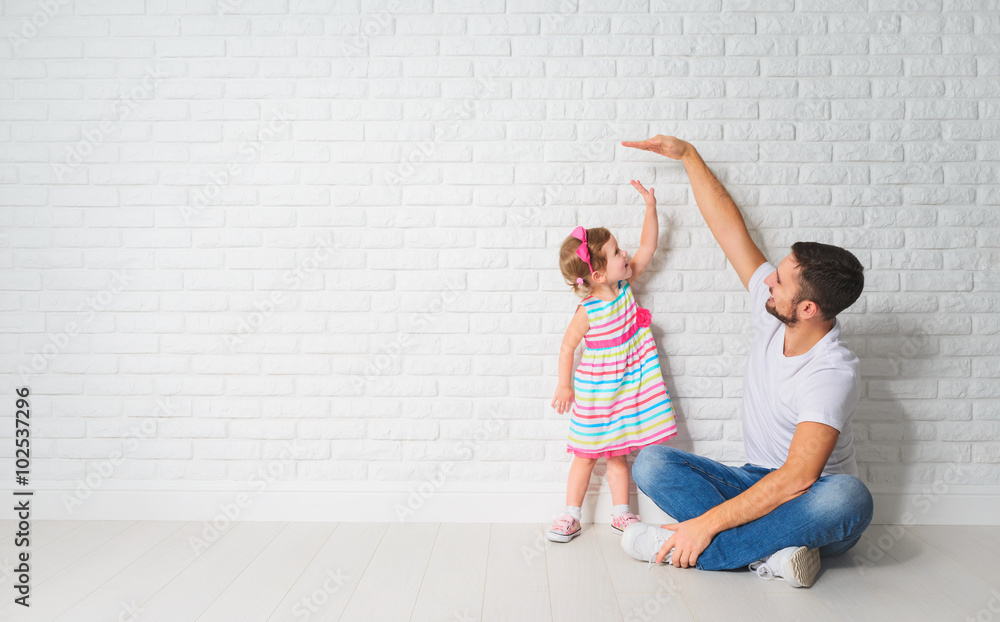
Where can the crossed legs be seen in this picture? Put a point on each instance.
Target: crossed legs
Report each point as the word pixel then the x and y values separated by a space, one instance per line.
pixel 830 516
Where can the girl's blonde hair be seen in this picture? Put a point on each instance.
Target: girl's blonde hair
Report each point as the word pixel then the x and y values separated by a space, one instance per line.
pixel 572 267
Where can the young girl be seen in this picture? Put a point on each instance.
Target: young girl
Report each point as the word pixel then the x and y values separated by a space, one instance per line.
pixel 617 398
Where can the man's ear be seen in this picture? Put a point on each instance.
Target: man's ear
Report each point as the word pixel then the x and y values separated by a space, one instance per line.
pixel 808 309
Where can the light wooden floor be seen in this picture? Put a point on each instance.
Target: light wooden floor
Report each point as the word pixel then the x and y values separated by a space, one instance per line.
pixel 114 570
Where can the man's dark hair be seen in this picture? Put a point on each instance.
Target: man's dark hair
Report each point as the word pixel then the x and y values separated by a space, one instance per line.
pixel 830 276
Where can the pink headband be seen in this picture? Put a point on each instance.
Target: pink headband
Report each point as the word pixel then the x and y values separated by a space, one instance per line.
pixel 582 251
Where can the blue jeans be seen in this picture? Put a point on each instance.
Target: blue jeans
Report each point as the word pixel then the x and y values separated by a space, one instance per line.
pixel 830 516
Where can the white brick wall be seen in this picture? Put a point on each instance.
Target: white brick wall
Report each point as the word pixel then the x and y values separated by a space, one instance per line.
pixel 246 224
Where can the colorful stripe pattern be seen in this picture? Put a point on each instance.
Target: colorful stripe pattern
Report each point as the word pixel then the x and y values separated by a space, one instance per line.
pixel 621 403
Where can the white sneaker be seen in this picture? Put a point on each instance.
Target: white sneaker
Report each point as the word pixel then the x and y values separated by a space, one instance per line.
pixel 644 540
pixel 796 565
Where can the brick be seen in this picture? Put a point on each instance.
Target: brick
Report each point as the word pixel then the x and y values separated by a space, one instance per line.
pixel 728 24
pixel 688 45
pixel 885 389
pixel 937 452
pixel 791 24
pixel 788 68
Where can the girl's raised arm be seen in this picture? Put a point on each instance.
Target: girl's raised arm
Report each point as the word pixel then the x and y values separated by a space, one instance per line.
pixel 650 234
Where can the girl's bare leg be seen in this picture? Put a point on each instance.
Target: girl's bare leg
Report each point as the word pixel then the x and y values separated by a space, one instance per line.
pixel 579 480
pixel 618 480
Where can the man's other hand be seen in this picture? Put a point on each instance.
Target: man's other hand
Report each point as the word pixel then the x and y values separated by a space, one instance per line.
pixel 689 540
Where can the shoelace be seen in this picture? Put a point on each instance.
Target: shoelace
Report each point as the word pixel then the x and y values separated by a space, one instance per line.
pixel 763 571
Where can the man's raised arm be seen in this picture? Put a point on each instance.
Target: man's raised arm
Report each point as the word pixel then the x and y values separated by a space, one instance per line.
pixel 717 207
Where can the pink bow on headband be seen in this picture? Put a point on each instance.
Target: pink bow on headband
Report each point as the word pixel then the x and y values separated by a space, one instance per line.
pixel 584 253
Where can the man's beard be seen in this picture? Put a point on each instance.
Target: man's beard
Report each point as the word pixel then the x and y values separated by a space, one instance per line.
pixel 784 319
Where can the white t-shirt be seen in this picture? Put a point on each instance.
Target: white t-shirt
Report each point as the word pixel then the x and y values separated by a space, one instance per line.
pixel 779 392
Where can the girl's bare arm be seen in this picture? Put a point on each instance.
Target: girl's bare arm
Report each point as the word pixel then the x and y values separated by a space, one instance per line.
pixel 578 327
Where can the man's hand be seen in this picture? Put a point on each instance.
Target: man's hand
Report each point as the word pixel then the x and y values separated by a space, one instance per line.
pixel 563 399
pixel 669 146
pixel 717 207
pixel 689 540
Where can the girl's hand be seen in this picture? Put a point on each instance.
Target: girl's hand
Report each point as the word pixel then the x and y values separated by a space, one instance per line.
pixel 563 399
pixel 647 195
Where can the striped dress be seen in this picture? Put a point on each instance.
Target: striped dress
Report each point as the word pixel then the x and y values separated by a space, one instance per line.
pixel 621 403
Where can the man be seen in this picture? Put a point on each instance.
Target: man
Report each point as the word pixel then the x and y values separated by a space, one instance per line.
pixel 798 498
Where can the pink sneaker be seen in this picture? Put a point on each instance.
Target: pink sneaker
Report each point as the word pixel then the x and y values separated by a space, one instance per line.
pixel 620 522
pixel 564 528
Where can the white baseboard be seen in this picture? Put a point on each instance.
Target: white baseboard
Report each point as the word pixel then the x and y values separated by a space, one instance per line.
pixel 394 502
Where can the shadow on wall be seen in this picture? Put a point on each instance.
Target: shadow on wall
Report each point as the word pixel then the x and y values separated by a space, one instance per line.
pixel 895 425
